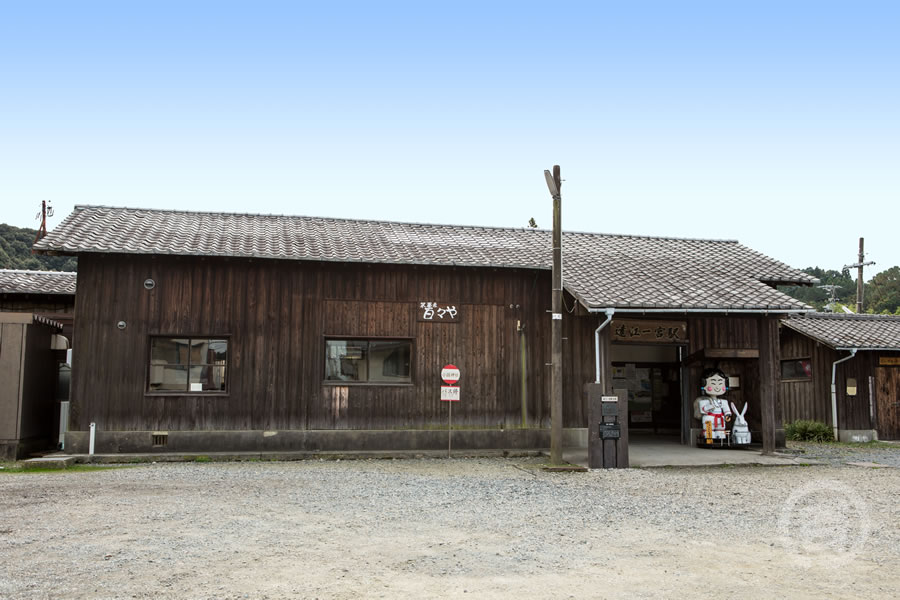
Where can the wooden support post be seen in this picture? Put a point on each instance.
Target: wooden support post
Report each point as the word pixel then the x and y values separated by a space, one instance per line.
pixel 769 362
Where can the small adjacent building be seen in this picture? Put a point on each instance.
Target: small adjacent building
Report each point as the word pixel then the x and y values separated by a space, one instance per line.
pixel 47 293
pixel 212 331
pixel 29 412
pixel 845 366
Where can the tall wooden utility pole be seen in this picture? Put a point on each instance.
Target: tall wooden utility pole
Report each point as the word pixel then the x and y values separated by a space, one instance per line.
pixel 42 217
pixel 859 277
pixel 554 184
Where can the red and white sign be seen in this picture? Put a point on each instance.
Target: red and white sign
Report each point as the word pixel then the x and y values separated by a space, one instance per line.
pixel 450 374
pixel 449 393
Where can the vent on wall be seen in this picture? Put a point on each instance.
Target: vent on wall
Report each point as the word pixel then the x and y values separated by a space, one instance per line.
pixel 160 439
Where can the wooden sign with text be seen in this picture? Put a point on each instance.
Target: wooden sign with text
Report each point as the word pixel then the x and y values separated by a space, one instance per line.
pixel 437 312
pixel 649 331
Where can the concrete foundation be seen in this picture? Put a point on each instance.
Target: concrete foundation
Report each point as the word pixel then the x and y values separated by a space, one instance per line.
pixel 857 435
pixel 158 442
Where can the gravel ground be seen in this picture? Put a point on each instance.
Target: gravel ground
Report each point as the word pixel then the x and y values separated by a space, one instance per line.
pixel 435 528
pixel 883 453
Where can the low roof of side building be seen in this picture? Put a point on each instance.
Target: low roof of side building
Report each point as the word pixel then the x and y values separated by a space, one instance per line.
pixel 15 281
pixel 650 274
pixel 849 331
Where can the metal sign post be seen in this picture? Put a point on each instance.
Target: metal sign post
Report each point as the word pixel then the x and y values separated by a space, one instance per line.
pixel 450 393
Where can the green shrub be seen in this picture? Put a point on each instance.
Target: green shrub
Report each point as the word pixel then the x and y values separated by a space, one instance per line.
pixel 809 431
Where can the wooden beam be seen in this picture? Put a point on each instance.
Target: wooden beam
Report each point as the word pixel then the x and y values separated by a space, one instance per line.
pixel 721 353
pixel 769 359
pixel 732 353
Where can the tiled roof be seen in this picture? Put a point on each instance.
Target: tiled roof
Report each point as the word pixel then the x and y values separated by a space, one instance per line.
pixel 849 331
pixel 601 270
pixel 37 282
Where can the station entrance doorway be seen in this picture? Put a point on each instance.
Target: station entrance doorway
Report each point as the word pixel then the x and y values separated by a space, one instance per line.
pixel 652 379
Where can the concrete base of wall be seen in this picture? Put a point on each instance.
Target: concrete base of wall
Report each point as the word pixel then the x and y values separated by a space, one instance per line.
pixel 857 435
pixel 18 449
pixel 136 442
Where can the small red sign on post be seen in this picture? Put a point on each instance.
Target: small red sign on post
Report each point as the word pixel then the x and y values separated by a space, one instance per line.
pixel 450 374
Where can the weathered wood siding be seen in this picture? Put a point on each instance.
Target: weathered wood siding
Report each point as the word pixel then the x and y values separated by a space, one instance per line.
pixel 807 399
pixel 887 398
pixel 277 315
pixel 854 412
pixel 812 399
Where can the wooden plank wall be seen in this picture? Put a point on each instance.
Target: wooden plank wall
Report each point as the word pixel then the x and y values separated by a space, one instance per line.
pixel 812 399
pixel 887 397
pixel 854 411
pixel 807 399
pixel 277 314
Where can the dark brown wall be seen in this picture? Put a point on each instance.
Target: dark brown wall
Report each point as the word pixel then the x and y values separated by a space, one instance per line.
pixel 807 399
pixel 277 314
pixel 812 399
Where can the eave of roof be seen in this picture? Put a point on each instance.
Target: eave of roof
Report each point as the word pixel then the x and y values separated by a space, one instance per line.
pixel 837 331
pixel 650 274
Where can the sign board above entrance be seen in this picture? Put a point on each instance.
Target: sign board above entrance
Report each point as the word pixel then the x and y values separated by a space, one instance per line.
pixel 437 312
pixel 888 361
pixel 649 331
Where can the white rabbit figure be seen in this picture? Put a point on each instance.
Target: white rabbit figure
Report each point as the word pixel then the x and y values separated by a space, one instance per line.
pixel 740 432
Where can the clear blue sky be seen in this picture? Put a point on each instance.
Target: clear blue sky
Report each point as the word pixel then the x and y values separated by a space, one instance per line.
pixel 774 123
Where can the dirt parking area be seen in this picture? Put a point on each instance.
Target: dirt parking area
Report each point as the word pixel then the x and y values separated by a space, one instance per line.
pixel 457 528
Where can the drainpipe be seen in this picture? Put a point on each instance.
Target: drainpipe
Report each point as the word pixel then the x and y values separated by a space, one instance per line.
pixel 834 421
pixel 609 315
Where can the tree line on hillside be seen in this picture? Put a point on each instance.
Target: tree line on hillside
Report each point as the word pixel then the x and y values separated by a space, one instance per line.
pixel 15 252
pixel 881 295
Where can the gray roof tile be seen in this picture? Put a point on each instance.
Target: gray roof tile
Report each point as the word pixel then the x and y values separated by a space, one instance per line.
pixel 601 270
pixel 849 331
pixel 14 281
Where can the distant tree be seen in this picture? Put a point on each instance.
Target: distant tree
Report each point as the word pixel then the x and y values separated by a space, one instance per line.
pixel 15 252
pixel 883 292
pixel 819 297
pixel 532 223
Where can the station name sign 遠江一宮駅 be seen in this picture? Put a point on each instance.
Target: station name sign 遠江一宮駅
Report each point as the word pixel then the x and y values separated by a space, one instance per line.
pixel 649 331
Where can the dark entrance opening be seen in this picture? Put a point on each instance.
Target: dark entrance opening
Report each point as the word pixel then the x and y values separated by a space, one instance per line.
pixel 650 377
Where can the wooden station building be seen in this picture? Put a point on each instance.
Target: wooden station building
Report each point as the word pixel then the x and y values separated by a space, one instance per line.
pixel 860 356
pixel 236 332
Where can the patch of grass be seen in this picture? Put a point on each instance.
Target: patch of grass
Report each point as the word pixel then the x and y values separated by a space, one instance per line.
pixel 802 430
pixel 202 459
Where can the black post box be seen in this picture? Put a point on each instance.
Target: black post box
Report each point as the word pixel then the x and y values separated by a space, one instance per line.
pixel 608 430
